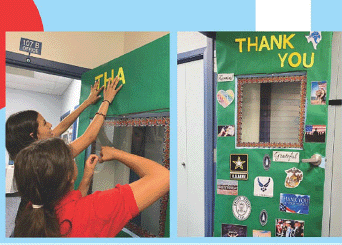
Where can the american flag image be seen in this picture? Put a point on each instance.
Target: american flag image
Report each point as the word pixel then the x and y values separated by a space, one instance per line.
pixel 309 129
pixel 283 208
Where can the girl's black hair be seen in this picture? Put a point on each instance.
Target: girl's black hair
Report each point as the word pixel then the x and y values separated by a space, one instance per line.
pixel 43 172
pixel 19 127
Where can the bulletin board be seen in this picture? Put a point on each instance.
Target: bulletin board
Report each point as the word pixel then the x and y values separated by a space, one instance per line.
pixel 248 55
pixel 145 75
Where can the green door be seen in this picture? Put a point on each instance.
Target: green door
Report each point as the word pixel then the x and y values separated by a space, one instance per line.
pixel 272 118
pixel 140 108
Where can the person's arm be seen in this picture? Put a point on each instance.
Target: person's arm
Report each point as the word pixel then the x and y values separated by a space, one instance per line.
pixel 88 174
pixel 71 118
pixel 81 143
pixel 154 179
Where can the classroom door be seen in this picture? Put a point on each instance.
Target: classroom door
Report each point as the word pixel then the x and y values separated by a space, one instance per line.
pixel 190 139
pixel 271 138
pixel 137 121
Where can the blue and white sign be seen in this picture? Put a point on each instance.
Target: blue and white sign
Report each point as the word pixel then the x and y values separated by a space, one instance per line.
pixel 30 46
pixel 293 203
pixel 315 37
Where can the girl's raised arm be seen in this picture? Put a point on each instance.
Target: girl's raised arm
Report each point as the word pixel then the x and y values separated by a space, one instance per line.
pixel 93 129
pixel 70 119
pixel 154 179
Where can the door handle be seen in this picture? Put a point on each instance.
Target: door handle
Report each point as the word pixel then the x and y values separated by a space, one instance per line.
pixel 315 160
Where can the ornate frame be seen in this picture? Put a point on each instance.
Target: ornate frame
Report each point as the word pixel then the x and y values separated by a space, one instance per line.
pixel 271 79
pixel 148 121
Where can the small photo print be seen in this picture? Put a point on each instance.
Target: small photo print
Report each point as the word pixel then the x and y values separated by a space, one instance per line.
pixel 315 133
pixel 289 228
pixel 227 187
pixel 259 233
pixel 225 131
pixel 294 203
pixel 318 93
pixel 229 230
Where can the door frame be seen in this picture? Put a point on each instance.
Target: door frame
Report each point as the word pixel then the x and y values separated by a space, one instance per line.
pixel 44 65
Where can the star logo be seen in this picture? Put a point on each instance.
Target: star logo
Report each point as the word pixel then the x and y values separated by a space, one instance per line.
pixel 239 166
pixel 239 163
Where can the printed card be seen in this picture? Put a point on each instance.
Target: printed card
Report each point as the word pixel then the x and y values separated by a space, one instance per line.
pixel 293 203
pixel 318 93
pixel 229 230
pixel 289 228
pixel 285 156
pixel 225 77
pixel 227 187
pixel 315 133
pixel 224 131
pixel 259 233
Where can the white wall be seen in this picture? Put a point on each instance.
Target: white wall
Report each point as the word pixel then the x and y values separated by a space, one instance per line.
pixel 187 41
pixel 71 96
pixel 49 106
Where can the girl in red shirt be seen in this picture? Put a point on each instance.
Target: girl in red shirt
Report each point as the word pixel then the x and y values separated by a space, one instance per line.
pixel 26 127
pixel 45 173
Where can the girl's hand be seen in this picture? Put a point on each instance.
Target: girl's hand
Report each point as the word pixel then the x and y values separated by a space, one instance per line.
pixel 107 153
pixel 90 166
pixel 110 91
pixel 94 93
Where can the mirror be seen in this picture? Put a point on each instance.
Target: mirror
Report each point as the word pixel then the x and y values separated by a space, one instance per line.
pixel 271 111
pixel 148 137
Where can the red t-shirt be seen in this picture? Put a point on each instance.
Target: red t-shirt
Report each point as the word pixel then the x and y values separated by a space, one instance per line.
pixel 101 214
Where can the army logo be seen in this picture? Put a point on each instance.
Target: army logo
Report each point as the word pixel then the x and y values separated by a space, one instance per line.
pixel 239 166
pixel 263 217
pixel 241 207
pixel 293 178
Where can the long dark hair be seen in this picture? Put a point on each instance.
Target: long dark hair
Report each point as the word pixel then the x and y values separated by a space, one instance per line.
pixel 19 126
pixel 43 172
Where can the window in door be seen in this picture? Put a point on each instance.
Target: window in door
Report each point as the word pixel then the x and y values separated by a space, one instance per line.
pixel 148 137
pixel 271 111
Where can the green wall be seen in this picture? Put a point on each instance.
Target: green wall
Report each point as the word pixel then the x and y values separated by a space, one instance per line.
pixel 231 60
pixel 147 85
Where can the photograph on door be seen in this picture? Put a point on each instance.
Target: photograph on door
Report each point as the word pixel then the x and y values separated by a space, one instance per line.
pixel 265 163
pixel 87 134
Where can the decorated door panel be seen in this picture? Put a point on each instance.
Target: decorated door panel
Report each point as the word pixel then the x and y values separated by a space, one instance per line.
pixel 137 122
pixel 272 95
